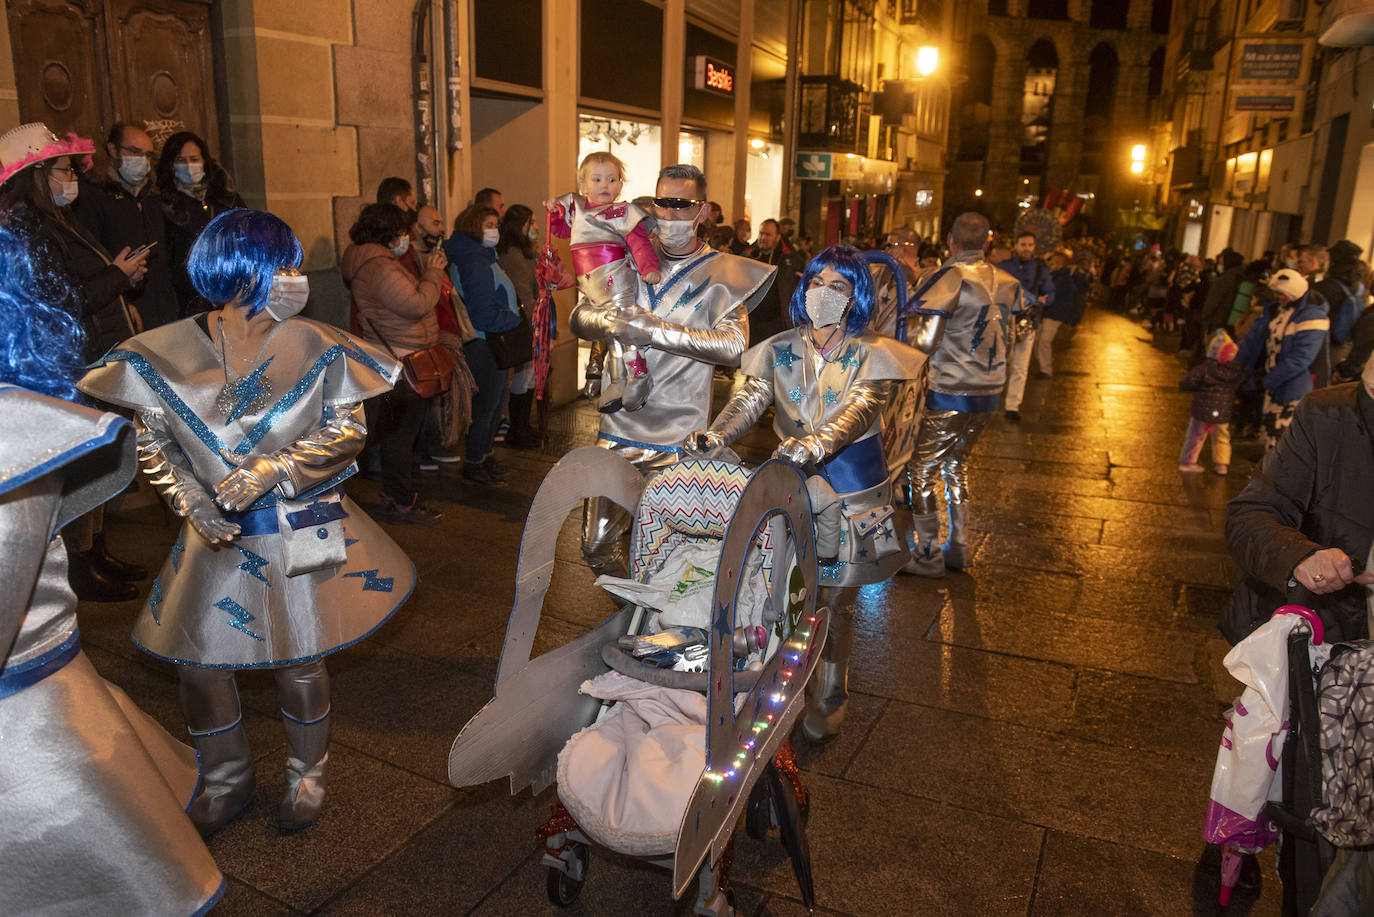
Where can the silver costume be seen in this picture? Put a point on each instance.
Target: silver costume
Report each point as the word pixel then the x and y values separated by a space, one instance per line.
pixel 93 793
pixel 963 317
pixel 297 573
pixel 695 318
pixel 828 415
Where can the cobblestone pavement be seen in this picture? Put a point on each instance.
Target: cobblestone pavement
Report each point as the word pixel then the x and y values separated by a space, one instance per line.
pixel 1034 737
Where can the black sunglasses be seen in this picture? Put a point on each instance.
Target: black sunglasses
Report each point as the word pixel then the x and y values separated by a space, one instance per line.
pixel 676 203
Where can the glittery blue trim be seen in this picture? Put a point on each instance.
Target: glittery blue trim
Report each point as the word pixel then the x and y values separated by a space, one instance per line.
pixel 287 716
pixel 155 599
pixel 657 297
pixel 296 392
pixel 28 674
pixel 282 663
pixel 104 439
pixel 178 547
pixel 216 732
pixel 213 899
pixel 170 398
pixel 652 447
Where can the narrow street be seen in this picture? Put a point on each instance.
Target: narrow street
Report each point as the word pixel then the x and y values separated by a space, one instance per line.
pixel 1035 737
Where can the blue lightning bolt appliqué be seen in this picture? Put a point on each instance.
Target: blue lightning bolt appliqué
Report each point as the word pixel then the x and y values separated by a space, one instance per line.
pixel 155 599
pixel 252 564
pixel 249 390
pixel 689 294
pixel 177 548
pixel 238 615
pixel 979 327
pixel 372 582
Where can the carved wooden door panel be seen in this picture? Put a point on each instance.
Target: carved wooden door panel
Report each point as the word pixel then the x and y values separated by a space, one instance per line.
pixel 160 64
pixel 59 51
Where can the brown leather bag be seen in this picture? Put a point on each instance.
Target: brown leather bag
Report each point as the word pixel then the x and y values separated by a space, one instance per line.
pixel 427 372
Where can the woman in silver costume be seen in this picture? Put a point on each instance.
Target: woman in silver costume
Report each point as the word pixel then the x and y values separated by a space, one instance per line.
pixel 93 793
pixel 249 420
pixel 828 379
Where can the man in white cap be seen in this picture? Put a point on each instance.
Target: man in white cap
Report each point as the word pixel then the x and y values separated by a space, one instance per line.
pixel 1288 337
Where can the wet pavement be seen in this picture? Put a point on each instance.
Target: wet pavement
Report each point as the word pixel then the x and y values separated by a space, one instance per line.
pixel 1033 737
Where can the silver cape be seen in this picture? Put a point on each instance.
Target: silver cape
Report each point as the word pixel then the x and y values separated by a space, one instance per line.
pixel 978 302
pixel 93 793
pixel 234 605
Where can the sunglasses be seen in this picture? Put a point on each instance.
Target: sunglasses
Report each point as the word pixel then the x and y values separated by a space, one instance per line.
pixel 676 203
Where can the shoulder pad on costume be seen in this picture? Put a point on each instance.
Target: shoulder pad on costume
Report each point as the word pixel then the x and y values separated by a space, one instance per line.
pixel 746 279
pixel 938 293
pixel 45 434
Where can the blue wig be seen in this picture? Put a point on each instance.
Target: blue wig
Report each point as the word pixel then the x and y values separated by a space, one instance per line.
pixel 236 255
pixel 40 340
pixel 850 264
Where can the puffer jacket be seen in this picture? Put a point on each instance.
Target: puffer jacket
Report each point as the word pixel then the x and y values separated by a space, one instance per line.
pixel 1312 491
pixel 1214 385
pixel 396 309
pixel 1304 343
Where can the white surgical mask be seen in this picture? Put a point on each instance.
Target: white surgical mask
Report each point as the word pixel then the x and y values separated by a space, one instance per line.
pixel 825 306
pixel 70 190
pixel 533 233
pixel 677 234
pixel 490 237
pixel 401 247
pixel 133 169
pixel 189 173
pixel 288 295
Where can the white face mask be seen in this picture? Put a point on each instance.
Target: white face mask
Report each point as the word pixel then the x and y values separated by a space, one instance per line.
pixel 490 237
pixel 677 234
pixel 401 247
pixel 133 169
pixel 287 296
pixel 825 306
pixel 70 190
pixel 189 173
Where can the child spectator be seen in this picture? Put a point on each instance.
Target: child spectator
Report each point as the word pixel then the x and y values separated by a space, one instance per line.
pixel 1214 383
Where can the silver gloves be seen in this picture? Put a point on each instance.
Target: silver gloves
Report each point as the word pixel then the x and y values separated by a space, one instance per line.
pixel 169 471
pixel 855 417
pixel 703 444
pixel 802 452
pixel 742 410
pixel 309 461
pixel 721 344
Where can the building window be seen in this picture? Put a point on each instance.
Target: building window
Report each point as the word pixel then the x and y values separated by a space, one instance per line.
pixel 975 100
pixel 507 42
pixel 1037 106
pixel 1159 16
pixel 1108 14
pixel 1103 66
pixel 997 7
pixel 1047 9
pixel 1155 84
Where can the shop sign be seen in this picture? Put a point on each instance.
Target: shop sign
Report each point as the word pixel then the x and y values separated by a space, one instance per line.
pixel 1271 61
pixel 814 166
pixel 1262 101
pixel 712 75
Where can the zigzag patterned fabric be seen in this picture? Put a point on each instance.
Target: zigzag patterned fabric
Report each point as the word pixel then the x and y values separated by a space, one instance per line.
pixel 689 500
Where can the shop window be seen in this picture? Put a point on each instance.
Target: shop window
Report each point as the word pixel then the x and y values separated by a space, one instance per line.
pixel 1047 9
pixel 1108 14
pixel 507 42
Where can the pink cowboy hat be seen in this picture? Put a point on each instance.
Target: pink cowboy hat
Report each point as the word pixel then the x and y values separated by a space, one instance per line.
pixel 30 143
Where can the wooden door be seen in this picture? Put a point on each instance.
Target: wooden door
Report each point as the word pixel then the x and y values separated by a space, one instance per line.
pixel 82 65
pixel 59 48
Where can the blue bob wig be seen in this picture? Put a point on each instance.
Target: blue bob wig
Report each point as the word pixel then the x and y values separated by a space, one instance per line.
pixel 40 340
pixel 850 264
pixel 236 255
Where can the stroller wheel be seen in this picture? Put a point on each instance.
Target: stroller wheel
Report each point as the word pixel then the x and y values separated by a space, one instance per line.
pixel 562 889
pixel 758 816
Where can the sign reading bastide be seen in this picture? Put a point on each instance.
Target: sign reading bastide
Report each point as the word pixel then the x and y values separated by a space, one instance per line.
pixel 712 75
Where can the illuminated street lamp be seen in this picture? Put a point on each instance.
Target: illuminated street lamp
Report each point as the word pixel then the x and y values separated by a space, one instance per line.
pixel 1138 158
pixel 927 59
pixel 977 192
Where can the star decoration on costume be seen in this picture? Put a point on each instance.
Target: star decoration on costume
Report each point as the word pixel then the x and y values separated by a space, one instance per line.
pixel 850 358
pixel 831 396
pixel 795 395
pixel 721 624
pixel 177 549
pixel 155 599
pixel 832 571
pixel 887 533
pixel 372 582
pixel 252 564
pixel 863 552
pixel 240 618
pixel 783 356
pixel 801 424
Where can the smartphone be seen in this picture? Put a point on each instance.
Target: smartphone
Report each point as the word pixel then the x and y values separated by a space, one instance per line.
pixel 141 249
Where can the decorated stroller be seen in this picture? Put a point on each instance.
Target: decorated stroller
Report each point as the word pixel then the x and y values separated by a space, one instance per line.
pixel 654 763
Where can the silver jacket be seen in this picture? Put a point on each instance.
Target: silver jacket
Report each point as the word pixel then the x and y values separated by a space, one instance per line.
pixel 66 735
pixel 962 315
pixel 258 601
pixel 699 320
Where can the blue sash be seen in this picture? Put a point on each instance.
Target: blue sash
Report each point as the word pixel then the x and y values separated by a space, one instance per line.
pixel 857 467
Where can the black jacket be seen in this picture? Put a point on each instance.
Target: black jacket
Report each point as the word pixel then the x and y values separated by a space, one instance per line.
pixel 1315 490
pixel 1221 296
pixel 771 314
pixel 67 248
pixel 186 217
pixel 1214 385
pixel 1362 345
pixel 116 218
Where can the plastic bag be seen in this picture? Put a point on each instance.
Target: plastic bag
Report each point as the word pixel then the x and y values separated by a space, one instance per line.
pixel 681 589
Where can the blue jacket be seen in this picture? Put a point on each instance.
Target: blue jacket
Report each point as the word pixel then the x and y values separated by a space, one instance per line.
pixel 1034 277
pixel 1304 339
pixel 486 290
pixel 1070 296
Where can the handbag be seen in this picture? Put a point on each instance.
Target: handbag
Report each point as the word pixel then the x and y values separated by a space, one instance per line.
pixel 426 372
pixel 513 348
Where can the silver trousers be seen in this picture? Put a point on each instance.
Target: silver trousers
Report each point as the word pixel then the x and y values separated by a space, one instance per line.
pixel 943 447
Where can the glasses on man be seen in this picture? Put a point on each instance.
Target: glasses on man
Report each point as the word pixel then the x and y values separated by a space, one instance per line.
pixel 676 203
